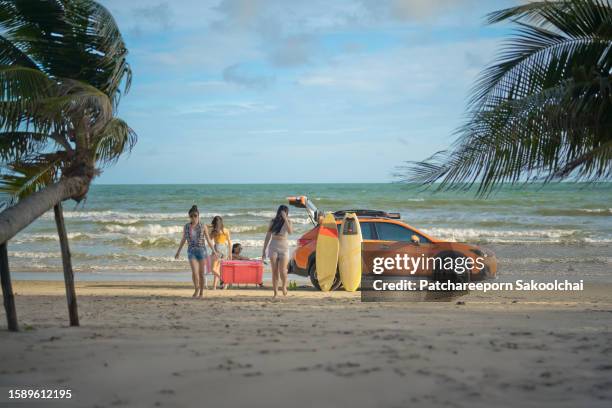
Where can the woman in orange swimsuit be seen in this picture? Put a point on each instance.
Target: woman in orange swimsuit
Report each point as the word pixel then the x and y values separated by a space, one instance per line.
pixel 223 246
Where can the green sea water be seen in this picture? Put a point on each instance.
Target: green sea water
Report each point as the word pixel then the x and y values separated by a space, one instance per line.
pixel 132 231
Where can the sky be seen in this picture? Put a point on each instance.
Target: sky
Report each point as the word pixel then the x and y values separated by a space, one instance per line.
pixel 281 91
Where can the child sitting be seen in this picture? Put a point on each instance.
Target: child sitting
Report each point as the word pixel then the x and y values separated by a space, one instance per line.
pixel 236 250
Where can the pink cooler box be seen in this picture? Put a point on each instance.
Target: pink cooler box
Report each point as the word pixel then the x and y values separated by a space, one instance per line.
pixel 242 272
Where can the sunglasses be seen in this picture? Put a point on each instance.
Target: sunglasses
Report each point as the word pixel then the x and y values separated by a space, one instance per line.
pixel 193 216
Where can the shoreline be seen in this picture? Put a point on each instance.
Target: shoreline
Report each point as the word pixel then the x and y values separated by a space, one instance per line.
pixel 592 293
pixel 135 277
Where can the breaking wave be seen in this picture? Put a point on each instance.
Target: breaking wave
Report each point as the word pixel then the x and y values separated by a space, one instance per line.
pixel 592 212
pixel 506 236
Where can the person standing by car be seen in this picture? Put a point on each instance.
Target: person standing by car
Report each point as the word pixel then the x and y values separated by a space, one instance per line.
pixel 197 237
pixel 278 252
pixel 223 246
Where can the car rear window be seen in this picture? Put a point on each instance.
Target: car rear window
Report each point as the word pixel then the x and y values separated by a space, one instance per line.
pixel 393 232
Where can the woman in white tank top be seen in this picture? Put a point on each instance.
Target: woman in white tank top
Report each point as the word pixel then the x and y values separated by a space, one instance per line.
pixel 278 251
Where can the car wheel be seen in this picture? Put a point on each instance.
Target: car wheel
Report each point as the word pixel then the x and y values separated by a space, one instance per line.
pixel 485 273
pixel 443 274
pixel 312 274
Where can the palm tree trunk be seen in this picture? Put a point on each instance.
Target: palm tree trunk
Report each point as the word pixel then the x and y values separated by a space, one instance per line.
pixel 67 263
pixel 22 214
pixel 7 290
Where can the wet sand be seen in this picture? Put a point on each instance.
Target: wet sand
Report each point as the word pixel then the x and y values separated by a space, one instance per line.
pixel 151 344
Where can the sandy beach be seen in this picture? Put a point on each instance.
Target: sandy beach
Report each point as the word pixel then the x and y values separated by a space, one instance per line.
pixel 151 344
pixel 404 147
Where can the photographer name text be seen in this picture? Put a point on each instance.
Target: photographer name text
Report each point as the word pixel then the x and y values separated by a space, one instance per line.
pixel 519 284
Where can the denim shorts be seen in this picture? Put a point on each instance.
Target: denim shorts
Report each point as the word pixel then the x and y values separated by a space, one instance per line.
pixel 197 253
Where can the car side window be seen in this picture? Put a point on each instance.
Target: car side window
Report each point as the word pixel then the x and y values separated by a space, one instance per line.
pixel 393 232
pixel 366 230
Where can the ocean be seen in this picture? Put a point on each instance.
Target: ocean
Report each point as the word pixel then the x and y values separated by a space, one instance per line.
pixel 131 232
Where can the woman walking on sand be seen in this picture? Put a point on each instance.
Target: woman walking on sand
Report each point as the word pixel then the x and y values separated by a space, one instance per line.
pixel 277 236
pixel 197 237
pixel 223 246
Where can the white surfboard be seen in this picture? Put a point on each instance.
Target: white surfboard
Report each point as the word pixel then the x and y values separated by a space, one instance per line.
pixel 349 260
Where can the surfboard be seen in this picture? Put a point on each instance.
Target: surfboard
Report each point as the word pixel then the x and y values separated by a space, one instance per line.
pixel 327 253
pixel 349 260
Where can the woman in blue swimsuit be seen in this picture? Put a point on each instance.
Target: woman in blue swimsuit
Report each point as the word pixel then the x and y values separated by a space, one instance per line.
pixel 197 237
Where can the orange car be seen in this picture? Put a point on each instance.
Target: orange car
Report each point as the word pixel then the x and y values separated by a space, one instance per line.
pixel 384 233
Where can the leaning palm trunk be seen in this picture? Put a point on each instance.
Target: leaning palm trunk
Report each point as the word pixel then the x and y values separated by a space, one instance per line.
pixel 22 214
pixel 16 218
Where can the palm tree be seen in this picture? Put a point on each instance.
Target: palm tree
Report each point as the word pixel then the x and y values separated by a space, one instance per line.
pixel 543 111
pixel 62 71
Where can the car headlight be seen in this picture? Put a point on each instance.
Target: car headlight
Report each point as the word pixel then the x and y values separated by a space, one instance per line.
pixel 486 253
pixel 477 251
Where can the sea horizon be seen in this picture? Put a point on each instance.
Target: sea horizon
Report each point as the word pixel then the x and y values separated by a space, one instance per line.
pixel 500 185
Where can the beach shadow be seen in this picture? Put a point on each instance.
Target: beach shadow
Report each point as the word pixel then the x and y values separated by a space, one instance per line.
pixel 303 288
pixel 444 296
pixel 412 296
pixel 244 287
pixel 139 286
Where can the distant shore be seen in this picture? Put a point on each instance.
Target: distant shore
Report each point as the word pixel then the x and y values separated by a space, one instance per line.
pixel 150 343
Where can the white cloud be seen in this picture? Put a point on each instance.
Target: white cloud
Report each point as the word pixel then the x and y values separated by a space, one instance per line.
pixel 210 53
pixel 157 14
pixel 149 16
pixel 240 75
pixel 226 109
pixel 418 71
pixel 352 79
pixel 267 131
pixel 334 131
pixel 288 17
pixel 216 34
pixel 417 10
pixel 293 51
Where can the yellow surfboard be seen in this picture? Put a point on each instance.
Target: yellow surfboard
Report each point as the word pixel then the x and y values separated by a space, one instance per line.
pixel 327 253
pixel 349 260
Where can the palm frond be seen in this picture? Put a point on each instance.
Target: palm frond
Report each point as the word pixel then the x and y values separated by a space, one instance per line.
pixel 18 144
pixel 544 111
pixel 26 177
pixel 569 16
pixel 20 88
pixel 77 99
pixel 63 67
pixel 114 140
pixel 111 44
pixel 11 55
pixel 28 98
pixel 17 82
pixel 544 133
pixel 537 58
pixel 77 39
